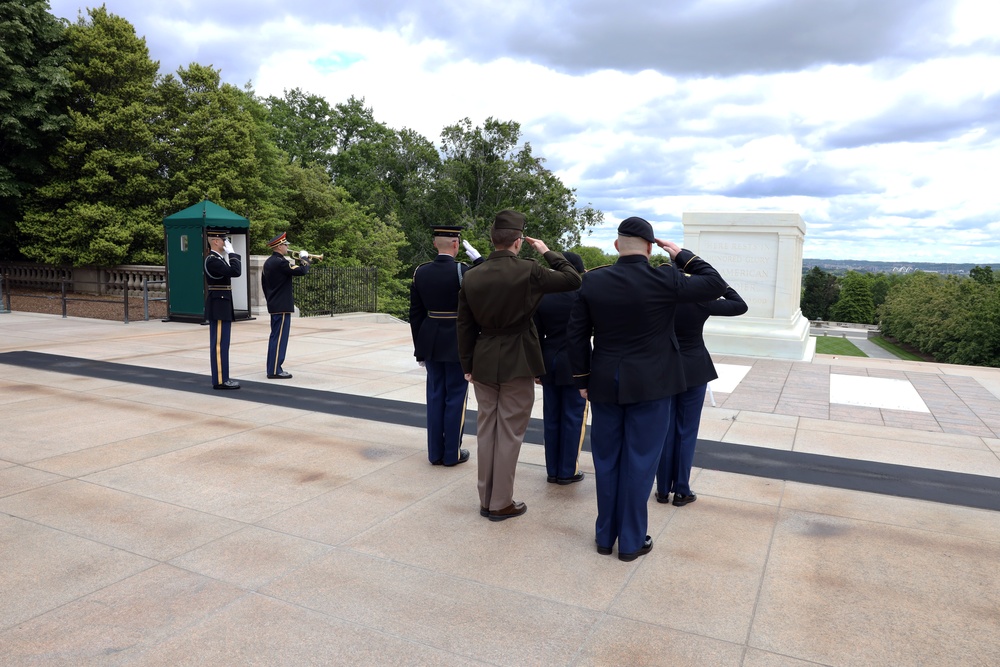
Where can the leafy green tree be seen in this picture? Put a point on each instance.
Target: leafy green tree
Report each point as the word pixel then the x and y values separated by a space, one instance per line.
pixel 593 257
pixel 34 89
pixel 488 170
pixel 394 173
pixel 982 274
pixel 325 219
pixel 268 212
pixel 855 303
pixel 973 331
pixel 305 127
pixel 99 202
pixel 215 144
pixel 819 293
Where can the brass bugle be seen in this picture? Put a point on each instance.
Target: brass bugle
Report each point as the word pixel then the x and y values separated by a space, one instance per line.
pixel 309 256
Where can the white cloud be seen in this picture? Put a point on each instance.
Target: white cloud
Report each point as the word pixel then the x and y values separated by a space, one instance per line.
pixel 881 129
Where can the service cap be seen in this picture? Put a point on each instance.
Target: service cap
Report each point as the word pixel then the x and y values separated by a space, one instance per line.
pixel 451 231
pixel 508 219
pixel 277 240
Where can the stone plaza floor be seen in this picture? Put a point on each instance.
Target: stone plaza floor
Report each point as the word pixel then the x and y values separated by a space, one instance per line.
pixel 146 519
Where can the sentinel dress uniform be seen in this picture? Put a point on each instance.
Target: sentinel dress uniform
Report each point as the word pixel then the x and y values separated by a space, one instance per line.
pixel 498 346
pixel 433 313
pixel 674 471
pixel 564 409
pixel 276 279
pixel 219 272
pixel 632 371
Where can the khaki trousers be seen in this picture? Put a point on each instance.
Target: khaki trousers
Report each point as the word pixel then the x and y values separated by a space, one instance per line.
pixel 503 414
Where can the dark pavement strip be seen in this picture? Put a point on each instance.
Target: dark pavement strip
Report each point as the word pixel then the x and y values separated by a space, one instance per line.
pixel 884 478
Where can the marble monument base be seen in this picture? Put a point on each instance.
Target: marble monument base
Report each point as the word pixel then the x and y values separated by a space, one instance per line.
pixel 760 337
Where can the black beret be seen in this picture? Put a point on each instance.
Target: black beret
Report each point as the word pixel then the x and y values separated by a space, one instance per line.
pixel 637 227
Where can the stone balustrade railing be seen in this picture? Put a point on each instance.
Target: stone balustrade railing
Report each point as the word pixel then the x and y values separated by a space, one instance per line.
pixel 113 281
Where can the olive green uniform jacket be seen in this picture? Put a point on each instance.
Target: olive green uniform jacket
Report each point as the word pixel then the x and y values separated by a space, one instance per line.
pixel 497 340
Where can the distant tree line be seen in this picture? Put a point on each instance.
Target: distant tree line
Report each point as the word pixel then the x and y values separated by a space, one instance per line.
pixel 951 318
pixel 96 148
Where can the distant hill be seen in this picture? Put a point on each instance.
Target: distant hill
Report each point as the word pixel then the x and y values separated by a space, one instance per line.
pixel 841 266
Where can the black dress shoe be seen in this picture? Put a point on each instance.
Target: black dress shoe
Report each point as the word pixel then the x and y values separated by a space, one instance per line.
pixel 512 510
pixel 484 511
pixel 283 375
pixel 551 480
pixel 578 477
pixel 439 462
pixel 646 548
pixel 681 501
pixel 228 384
pixel 463 456
pixel 604 551
pixel 665 498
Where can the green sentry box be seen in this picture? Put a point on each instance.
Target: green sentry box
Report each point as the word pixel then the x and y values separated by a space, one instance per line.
pixel 186 248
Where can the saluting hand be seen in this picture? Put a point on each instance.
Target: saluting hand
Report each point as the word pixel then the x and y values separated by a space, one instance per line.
pixel 537 244
pixel 671 247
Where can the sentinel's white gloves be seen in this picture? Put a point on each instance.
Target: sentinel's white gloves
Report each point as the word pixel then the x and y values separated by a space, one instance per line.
pixel 303 254
pixel 228 247
pixel 470 251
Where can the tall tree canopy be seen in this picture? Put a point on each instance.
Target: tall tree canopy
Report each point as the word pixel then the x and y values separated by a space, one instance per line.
pixel 34 85
pixel 304 127
pixel 98 204
pixel 955 320
pixel 213 146
pixel 855 303
pixel 819 292
pixel 488 170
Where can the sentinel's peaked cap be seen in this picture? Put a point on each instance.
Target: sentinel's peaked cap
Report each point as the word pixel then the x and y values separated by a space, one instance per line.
pixel 509 220
pixel 451 231
pixel 277 240
pixel 637 227
pixel 216 232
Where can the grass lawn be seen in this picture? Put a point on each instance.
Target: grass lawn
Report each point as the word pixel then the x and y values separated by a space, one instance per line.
pixel 839 346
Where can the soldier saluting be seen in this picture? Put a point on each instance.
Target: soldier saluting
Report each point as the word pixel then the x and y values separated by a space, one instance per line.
pixel 222 264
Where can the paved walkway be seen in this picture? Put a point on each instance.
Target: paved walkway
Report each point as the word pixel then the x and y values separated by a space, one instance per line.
pixel 873 350
pixel 144 525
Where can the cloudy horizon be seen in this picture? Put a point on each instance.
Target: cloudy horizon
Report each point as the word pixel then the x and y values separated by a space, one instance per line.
pixel 875 120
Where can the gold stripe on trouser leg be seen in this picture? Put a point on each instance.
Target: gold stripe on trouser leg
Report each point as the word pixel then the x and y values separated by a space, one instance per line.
pixel 583 432
pixel 277 349
pixel 218 350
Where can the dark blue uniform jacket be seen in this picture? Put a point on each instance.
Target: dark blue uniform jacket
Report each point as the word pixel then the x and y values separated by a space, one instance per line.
pixel 434 308
pixel 629 309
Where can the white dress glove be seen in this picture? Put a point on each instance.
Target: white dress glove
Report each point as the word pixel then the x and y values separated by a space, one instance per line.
pixel 470 251
pixel 228 247
pixel 303 254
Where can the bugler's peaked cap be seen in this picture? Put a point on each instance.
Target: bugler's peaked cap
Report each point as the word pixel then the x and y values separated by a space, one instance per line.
pixel 277 240
pixel 509 220
pixel 637 227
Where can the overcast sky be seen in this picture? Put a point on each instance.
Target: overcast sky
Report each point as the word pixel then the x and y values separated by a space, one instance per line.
pixel 875 120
